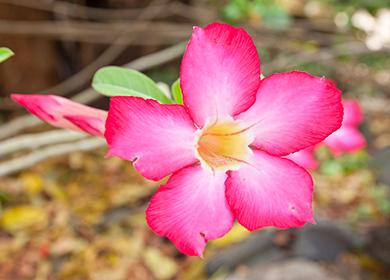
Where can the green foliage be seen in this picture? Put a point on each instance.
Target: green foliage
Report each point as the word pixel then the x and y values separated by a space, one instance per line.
pixel 376 61
pixel 268 12
pixel 375 202
pixel 332 168
pixel 314 68
pixel 236 10
pixel 119 81
pixel 176 92
pixel 371 5
pixel 341 165
pixel 167 74
pixel 381 194
pixel 5 53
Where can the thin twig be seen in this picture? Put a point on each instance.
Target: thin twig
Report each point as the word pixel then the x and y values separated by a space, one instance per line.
pixel 36 140
pixel 74 10
pixel 324 55
pixel 78 80
pixel 110 54
pixel 14 126
pixel 23 162
pixel 78 30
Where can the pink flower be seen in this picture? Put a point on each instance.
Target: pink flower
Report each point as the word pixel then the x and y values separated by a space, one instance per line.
pixel 61 112
pixel 346 139
pixel 224 146
pixel 304 158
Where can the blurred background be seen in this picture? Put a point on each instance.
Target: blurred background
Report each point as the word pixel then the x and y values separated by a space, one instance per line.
pixel 68 213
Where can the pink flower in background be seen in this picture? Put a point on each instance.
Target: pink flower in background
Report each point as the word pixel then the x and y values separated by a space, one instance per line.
pixel 346 139
pixel 304 158
pixel 64 113
pixel 224 147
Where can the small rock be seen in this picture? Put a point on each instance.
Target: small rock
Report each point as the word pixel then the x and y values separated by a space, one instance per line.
pixel 380 164
pixel 322 242
pixel 378 245
pixel 293 269
pixel 258 243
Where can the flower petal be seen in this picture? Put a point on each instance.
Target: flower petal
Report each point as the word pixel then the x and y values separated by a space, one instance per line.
pixel 191 209
pixel 270 191
pixel 91 125
pixel 160 139
pixel 55 109
pixel 304 158
pixel 346 139
pixel 293 110
pixel 220 73
pixel 353 114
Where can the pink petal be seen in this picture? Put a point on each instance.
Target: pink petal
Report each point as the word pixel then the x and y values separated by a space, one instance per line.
pixel 220 73
pixel 353 114
pixel 293 110
pixel 91 125
pixel 346 139
pixel 56 111
pixel 270 191
pixel 191 209
pixel 160 139
pixel 304 158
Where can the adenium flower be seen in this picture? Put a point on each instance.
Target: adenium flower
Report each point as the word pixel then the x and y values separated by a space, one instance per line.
pixel 224 146
pixel 346 139
pixel 305 158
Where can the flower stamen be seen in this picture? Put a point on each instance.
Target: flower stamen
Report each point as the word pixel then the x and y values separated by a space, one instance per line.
pixel 223 145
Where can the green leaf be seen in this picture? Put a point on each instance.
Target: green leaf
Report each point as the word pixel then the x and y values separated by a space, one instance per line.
pixel 176 92
pixel 114 81
pixel 273 16
pixel 5 53
pixel 332 168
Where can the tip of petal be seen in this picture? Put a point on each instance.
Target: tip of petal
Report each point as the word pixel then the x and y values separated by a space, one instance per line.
pixel 109 154
pixel 15 96
pixel 312 221
pixel 196 252
pixel 42 106
pixel 18 98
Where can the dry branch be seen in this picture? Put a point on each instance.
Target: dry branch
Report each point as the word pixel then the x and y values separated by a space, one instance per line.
pixel 74 10
pixel 23 162
pixel 157 11
pixel 36 140
pixel 93 31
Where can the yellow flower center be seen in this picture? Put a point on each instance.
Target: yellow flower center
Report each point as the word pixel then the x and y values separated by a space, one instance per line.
pixel 223 146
